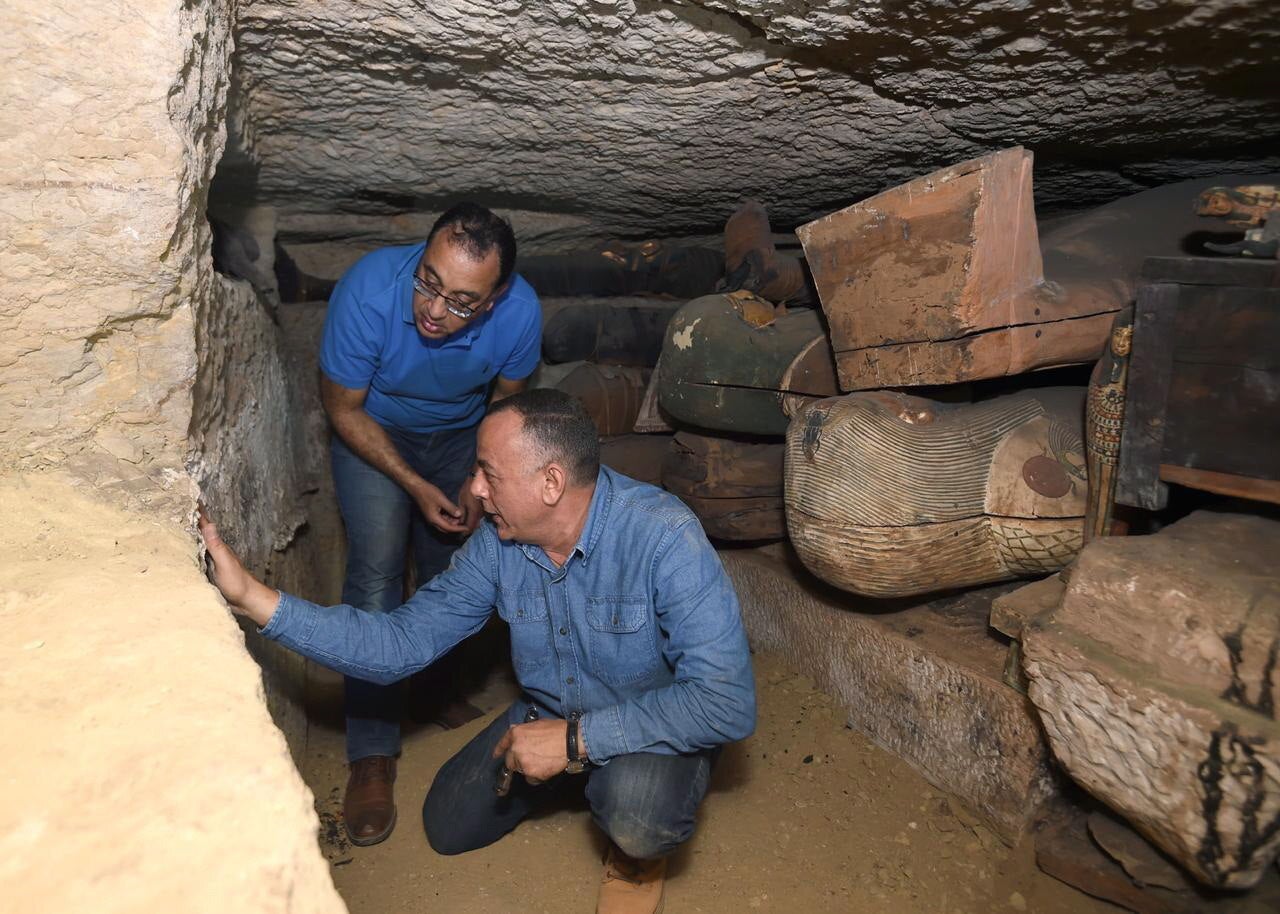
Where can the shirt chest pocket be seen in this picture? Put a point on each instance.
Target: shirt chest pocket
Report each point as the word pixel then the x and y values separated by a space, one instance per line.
pixel 525 612
pixel 622 642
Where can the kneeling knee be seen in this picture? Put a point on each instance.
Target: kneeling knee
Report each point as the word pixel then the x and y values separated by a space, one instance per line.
pixel 445 837
pixel 646 840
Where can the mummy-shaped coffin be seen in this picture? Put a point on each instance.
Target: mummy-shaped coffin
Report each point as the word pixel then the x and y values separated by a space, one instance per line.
pixel 737 363
pixel 891 495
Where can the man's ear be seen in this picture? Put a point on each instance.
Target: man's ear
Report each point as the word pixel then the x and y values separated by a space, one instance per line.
pixel 554 482
pixel 497 294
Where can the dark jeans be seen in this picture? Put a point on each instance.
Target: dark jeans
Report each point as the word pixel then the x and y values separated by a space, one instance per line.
pixel 382 521
pixel 645 803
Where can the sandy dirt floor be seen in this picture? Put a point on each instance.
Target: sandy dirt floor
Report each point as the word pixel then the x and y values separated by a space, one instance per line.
pixel 806 815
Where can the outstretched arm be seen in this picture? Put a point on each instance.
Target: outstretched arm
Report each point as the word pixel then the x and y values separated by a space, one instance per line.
pixel 376 647
pixel 247 595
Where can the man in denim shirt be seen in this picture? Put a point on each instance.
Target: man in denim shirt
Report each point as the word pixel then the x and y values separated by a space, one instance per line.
pixel 625 635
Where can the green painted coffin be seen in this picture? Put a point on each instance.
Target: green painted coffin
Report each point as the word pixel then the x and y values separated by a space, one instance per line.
pixel 736 363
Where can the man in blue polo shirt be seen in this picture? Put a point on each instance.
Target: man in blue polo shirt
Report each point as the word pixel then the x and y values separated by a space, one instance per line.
pixel 417 341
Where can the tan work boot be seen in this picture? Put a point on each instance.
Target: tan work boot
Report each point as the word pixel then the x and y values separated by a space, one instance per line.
pixel 369 807
pixel 631 886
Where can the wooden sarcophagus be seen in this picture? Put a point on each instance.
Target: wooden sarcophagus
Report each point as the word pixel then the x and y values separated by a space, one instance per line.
pixel 637 456
pixel 606 333
pixel 735 487
pixel 892 495
pixel 737 363
pixel 947 278
pixel 611 394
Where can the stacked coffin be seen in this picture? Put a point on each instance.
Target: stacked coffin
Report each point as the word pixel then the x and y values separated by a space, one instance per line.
pixel 734 369
pixel 945 281
pixel 936 283
pixel 602 351
pixel 933 286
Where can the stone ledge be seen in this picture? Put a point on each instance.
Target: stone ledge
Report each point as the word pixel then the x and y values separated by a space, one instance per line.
pixel 921 680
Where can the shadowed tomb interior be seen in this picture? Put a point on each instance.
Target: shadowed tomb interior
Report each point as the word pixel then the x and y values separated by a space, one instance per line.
pixel 953 324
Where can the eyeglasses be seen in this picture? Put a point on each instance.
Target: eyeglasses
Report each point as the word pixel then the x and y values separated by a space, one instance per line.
pixel 458 309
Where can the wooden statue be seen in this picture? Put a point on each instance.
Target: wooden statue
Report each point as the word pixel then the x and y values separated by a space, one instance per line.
pixel 892 495
pixel 1103 423
pixel 738 363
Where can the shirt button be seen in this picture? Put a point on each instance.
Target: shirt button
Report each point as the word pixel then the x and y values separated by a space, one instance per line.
pixel 563 630
pixel 569 681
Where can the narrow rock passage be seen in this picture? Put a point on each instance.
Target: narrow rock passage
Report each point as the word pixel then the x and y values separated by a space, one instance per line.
pixel 806 815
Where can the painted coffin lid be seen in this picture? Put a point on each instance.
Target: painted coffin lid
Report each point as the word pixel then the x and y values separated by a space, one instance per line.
pixel 893 495
pixel 737 363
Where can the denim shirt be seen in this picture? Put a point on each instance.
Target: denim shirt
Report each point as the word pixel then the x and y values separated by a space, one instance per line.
pixel 639 632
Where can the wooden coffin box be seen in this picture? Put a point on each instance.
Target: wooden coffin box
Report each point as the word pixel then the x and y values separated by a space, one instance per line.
pixel 890 495
pixel 609 334
pixel 637 456
pixel 737 363
pixel 611 394
pixel 734 487
pixel 1203 402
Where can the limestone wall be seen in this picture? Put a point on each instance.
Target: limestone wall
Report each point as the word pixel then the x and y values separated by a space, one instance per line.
pixel 112 128
pixel 143 771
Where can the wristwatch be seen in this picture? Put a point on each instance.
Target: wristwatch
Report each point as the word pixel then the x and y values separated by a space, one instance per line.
pixel 578 760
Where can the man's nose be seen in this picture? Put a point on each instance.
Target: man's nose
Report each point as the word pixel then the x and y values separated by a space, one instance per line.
pixel 478 488
pixel 436 309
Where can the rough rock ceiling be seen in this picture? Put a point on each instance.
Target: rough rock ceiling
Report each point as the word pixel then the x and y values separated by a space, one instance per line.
pixel 590 117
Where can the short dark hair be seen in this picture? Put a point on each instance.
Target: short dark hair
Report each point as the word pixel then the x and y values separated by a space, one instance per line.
pixel 559 425
pixel 478 230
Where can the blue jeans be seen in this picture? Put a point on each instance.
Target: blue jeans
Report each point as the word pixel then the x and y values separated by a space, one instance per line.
pixel 646 803
pixel 382 521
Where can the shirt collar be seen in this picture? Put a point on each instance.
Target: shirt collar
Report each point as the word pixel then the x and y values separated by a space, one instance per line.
pixel 404 282
pixel 404 286
pixel 592 530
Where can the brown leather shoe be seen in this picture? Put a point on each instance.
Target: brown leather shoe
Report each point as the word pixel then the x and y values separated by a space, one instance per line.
pixel 631 886
pixel 370 808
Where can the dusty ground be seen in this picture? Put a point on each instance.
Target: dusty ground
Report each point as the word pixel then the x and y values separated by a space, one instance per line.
pixel 806 815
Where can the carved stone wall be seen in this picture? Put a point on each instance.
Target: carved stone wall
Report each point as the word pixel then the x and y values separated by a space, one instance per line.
pixel 635 117
pixel 144 741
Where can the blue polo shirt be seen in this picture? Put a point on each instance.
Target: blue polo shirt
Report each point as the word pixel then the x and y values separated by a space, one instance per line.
pixel 416 384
